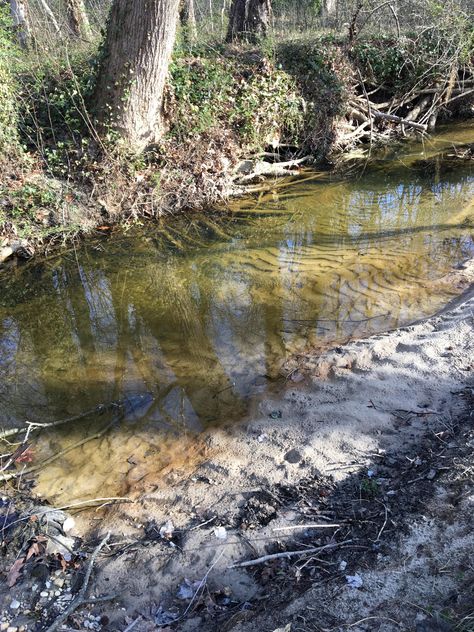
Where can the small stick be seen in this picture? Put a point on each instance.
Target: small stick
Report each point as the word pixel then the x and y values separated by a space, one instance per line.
pixel 133 624
pixel 81 595
pixel 307 526
pixel 33 425
pixel 82 503
pixel 276 556
pixel 384 523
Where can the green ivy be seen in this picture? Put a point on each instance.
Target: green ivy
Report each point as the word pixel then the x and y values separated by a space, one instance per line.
pixel 257 99
pixel 8 86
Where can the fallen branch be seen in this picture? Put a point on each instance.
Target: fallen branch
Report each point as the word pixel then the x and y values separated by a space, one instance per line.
pixel 54 457
pixel 286 554
pixel 307 526
pixel 133 624
pixel 81 598
pixel 268 169
pixel 82 503
pixel 398 119
pixel 32 425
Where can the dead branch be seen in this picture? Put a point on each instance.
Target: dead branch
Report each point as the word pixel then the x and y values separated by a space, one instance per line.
pixel 54 457
pixel 81 598
pixel 286 554
pixel 307 526
pixel 265 169
pixel 397 119
pixel 31 425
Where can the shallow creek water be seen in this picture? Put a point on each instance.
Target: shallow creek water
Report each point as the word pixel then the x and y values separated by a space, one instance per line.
pixel 186 323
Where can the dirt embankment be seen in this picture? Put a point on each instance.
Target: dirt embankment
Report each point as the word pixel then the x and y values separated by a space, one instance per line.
pixel 344 501
pixel 233 117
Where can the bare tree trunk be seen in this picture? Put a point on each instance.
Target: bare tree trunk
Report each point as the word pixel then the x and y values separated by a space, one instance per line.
pixel 187 16
pixel 129 90
pixel 19 13
pixel 78 21
pixel 249 20
pixel 50 14
pixel 328 12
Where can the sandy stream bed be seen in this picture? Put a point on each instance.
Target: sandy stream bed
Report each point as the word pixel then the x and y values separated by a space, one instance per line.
pixel 375 437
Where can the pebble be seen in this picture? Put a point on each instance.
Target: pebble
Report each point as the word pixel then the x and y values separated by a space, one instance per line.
pixel 4 626
pixel 293 456
pixel 15 604
pixel 44 593
pixel 12 628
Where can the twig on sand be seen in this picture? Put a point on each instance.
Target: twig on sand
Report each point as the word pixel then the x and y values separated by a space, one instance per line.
pixel 81 598
pixel 82 503
pixel 276 556
pixel 379 535
pixel 200 587
pixel 352 625
pixel 307 526
pixel 133 624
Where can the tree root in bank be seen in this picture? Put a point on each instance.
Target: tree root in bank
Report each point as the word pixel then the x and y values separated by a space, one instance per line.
pixel 249 170
pixel 372 121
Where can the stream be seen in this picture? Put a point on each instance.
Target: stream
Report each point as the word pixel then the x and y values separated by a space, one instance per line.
pixel 188 322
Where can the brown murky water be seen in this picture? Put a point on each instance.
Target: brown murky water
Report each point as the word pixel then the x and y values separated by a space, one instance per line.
pixel 184 324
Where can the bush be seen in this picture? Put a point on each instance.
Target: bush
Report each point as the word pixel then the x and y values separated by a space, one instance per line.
pixel 53 114
pixel 258 100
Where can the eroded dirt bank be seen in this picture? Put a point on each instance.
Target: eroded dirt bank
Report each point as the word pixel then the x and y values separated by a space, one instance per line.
pixel 361 467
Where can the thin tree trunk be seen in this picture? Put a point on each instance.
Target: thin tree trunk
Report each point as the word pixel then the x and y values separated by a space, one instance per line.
pixel 78 21
pixel 328 12
pixel 129 91
pixel 50 14
pixel 19 13
pixel 187 16
pixel 249 20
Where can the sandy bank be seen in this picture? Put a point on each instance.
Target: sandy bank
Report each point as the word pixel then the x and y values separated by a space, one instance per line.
pixel 372 442
pixel 361 412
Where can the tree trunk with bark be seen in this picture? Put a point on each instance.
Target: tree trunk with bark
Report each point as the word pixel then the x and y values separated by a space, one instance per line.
pixel 79 25
pixel 328 12
pixel 249 20
pixel 187 16
pixel 129 91
pixel 19 13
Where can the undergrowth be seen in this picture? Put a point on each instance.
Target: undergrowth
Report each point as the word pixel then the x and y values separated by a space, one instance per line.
pixel 8 87
pixel 222 103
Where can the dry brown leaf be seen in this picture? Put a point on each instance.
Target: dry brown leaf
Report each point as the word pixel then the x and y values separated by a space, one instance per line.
pixel 14 572
pixel 33 550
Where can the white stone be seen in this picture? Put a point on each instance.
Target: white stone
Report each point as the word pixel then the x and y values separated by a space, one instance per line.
pixel 15 604
pixel 69 524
